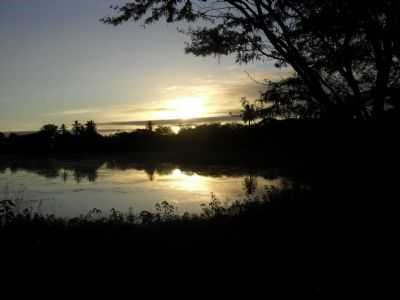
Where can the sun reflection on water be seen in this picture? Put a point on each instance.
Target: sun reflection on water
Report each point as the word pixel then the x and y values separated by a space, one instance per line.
pixel 188 182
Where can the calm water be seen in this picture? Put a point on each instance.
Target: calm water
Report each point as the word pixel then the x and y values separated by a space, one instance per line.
pixel 73 187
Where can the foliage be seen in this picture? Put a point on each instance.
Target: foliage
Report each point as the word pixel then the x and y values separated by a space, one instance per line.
pixel 77 128
pixel 287 99
pixel 149 126
pixel 90 128
pixel 246 231
pixel 164 130
pixel 164 211
pixel 249 112
pixel 346 54
pixel 49 130
pixel 63 130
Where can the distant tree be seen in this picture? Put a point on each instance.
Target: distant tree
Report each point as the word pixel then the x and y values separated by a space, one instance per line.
pixel 164 130
pixel 77 128
pixel 49 130
pixel 63 130
pixel 64 176
pixel 12 136
pixel 346 53
pixel 149 126
pixel 91 128
pixel 248 113
pixel 3 141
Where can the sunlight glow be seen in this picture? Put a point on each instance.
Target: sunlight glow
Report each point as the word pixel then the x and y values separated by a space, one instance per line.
pixel 184 108
pixel 175 129
pixel 189 108
pixel 187 182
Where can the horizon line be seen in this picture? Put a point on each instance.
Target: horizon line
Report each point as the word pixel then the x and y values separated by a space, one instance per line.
pixel 175 122
pixel 172 121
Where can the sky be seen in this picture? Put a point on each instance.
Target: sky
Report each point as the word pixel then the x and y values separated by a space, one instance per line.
pixel 59 63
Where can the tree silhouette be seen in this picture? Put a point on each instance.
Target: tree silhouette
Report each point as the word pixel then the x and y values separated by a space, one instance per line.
pixel 63 130
pixel 3 141
pixel 346 53
pixel 164 130
pixel 149 126
pixel 12 136
pixel 77 128
pixel 248 113
pixel 91 128
pixel 287 99
pixel 49 130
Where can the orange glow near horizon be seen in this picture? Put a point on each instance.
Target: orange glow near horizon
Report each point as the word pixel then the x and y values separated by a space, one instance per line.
pixel 183 108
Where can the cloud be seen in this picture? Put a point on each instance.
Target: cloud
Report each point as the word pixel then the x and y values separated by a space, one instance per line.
pixel 145 109
pixel 220 94
pixel 5 100
pixel 73 112
pixel 231 84
pixel 171 88
pixel 174 121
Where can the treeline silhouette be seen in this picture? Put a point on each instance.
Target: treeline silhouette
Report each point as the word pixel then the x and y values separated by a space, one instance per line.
pixel 283 140
pixel 85 138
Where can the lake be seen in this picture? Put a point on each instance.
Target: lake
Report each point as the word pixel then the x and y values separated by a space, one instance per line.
pixel 71 187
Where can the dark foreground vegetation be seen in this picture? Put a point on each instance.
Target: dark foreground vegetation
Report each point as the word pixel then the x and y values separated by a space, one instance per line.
pixel 218 223
pixel 340 213
pixel 296 236
pixel 266 234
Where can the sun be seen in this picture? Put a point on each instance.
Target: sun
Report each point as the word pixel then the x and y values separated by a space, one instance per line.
pixel 188 107
pixel 183 108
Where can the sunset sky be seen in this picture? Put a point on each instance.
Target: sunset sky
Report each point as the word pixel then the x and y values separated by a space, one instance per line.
pixel 58 64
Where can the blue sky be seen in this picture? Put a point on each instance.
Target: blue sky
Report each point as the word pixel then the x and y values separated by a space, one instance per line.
pixel 58 64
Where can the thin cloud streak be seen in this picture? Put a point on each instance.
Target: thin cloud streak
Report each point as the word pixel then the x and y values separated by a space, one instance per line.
pixel 73 112
pixel 175 121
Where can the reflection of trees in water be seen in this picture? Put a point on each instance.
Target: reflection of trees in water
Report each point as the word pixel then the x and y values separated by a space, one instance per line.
pixel 88 173
pixel 49 173
pixel 51 168
pixel 2 169
pixel 13 169
pixel 165 169
pixel 150 171
pixel 87 169
pixel 92 177
pixel 159 170
pixel 77 177
pixel 250 185
pixel 64 176
pixel 150 168
pixel 189 173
